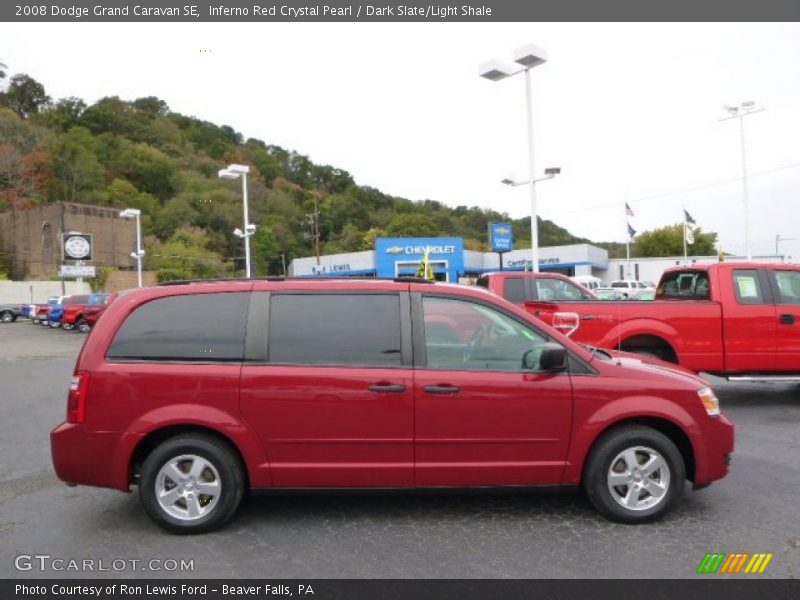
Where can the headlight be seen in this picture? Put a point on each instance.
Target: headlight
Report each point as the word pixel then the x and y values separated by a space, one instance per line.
pixel 709 400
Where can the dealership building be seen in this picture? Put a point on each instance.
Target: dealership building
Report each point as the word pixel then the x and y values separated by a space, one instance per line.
pixel 394 257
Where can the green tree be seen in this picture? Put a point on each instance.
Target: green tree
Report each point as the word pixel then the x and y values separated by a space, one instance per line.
pixel 185 256
pixel 668 241
pixel 412 225
pixel 24 95
pixel 74 165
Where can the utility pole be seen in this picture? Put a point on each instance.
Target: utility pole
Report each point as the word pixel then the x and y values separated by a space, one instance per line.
pixel 314 223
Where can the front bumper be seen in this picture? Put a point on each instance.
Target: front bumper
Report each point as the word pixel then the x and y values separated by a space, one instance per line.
pixel 718 437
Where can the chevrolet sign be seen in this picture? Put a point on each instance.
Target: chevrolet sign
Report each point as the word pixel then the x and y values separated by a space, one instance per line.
pixel 412 250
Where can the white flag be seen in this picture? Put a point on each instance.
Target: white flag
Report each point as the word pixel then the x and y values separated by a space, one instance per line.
pixel 688 233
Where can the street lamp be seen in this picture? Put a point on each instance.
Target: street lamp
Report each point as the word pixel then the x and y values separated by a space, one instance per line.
pixel 234 172
pixel 135 213
pixel 740 112
pixel 548 174
pixel 527 58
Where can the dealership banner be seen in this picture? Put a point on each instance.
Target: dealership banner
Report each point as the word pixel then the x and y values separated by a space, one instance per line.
pixel 426 589
pixel 256 11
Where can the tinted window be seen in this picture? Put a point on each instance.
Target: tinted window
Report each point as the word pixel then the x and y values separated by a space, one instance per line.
pixel 335 329
pixel 557 289
pixel 515 290
pixel 747 287
pixel 203 327
pixel 788 283
pixel 468 336
pixel 619 284
pixel 691 285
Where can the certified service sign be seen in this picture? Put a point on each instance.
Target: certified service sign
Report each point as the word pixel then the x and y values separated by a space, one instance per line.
pixel 77 246
pixel 501 237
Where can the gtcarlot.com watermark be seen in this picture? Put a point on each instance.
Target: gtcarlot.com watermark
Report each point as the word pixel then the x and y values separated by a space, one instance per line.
pixel 47 562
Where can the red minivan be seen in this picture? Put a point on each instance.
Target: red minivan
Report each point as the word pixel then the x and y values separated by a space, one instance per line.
pixel 198 391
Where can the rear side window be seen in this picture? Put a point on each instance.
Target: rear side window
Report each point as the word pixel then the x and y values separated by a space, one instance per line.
pixel 747 287
pixel 335 329
pixel 197 327
pixel 788 283
pixel 515 290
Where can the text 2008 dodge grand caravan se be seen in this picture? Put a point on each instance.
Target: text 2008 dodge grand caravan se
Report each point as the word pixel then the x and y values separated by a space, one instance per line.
pixel 196 392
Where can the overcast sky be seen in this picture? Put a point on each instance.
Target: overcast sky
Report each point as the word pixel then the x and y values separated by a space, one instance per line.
pixel 628 111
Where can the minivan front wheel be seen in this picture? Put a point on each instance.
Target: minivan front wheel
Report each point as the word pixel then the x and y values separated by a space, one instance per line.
pixel 634 474
pixel 191 484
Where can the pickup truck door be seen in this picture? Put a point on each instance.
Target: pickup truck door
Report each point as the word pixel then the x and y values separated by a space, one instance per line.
pixel 786 291
pixel 749 321
pixel 480 418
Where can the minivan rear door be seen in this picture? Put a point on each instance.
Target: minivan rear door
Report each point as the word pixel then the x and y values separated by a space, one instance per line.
pixel 332 398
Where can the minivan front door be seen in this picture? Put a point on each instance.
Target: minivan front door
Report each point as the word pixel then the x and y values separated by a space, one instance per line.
pixel 333 401
pixel 481 417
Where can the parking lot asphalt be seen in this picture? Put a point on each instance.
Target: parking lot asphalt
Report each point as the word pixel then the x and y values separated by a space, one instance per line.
pixel 754 509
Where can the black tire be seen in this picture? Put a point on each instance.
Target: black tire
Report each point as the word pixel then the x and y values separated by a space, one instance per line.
pixel 605 456
pixel 228 468
pixel 7 316
pixel 82 326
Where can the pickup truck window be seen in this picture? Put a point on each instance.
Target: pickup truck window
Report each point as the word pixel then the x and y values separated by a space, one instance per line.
pixel 557 290
pixel 466 336
pixel 515 290
pixel 690 285
pixel 788 283
pixel 747 287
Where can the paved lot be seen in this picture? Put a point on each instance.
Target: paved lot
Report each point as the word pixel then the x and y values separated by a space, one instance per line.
pixel 755 509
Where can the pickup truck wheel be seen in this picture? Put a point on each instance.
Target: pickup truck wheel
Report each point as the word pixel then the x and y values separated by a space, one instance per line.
pixel 635 474
pixel 67 327
pixel 83 326
pixel 7 316
pixel 54 324
pixel 35 321
pixel 191 484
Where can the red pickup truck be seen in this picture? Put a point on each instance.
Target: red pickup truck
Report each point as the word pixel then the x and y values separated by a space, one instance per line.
pixel 738 320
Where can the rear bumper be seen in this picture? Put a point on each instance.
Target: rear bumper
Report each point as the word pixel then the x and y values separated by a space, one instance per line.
pixel 718 437
pixel 88 457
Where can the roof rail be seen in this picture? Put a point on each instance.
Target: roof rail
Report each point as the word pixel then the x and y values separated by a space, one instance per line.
pixel 306 278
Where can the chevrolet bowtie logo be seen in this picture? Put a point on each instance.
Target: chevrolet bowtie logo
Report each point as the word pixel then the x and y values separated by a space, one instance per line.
pixel 503 230
pixel 394 250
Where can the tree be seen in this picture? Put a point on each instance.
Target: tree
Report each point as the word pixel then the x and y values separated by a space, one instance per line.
pixel 412 225
pixel 75 165
pixel 25 96
pixel 668 241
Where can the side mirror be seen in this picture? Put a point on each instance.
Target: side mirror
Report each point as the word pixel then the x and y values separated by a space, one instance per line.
pixel 553 358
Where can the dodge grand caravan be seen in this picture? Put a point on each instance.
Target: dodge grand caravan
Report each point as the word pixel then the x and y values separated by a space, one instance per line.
pixel 198 391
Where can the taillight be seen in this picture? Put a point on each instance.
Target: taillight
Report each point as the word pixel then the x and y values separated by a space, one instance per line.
pixel 76 402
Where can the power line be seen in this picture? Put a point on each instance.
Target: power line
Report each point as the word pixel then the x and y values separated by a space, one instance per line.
pixel 683 191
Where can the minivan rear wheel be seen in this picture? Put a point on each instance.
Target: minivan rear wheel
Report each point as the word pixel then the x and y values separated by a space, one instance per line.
pixel 191 483
pixel 635 474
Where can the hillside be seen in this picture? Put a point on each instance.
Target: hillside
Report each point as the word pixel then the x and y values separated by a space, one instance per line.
pixel 141 154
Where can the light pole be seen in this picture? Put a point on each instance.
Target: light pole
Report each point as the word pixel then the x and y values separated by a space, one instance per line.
pixel 527 57
pixel 131 213
pixel 740 112
pixel 234 172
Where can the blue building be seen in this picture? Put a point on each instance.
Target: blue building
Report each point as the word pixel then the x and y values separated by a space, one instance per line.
pixel 394 257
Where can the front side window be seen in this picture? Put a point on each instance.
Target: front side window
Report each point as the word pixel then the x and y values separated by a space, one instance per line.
pixel 747 287
pixel 192 327
pixel 467 336
pixel 335 329
pixel 557 290
pixel 788 283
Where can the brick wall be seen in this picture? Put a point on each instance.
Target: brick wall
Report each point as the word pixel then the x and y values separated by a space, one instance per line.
pixel 32 238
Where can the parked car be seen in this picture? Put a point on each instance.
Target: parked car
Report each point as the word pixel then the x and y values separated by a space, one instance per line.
pixel 634 290
pixel 733 319
pixel 93 312
pixel 75 307
pixel 197 391
pixel 609 293
pixel 590 282
pixel 519 287
pixel 40 312
pixel 10 312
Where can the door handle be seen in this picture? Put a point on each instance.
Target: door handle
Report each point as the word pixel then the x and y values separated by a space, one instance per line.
pixel 387 387
pixel 441 389
pixel 787 319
